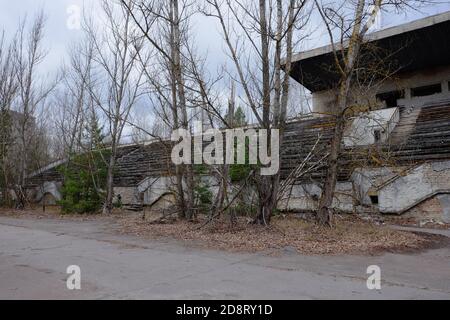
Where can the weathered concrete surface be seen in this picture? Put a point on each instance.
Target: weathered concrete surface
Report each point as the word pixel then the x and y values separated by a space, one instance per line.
pixel 444 199
pixel 34 255
pixel 419 184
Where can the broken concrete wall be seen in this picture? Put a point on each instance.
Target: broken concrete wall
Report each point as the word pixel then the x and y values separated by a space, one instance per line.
pixel 129 195
pixel 368 179
pixel 344 197
pixel 435 208
pixel 444 200
pixel 421 191
pixel 418 185
pixel 306 198
pixel 50 191
pixel 361 130
pixel 302 198
pixel 155 187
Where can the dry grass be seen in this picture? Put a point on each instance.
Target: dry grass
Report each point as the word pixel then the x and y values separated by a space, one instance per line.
pixel 349 236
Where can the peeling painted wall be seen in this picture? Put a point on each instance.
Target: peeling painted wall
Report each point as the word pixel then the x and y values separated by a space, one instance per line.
pixel 305 198
pixel 403 189
pixel 418 185
pixel 155 187
pixel 129 195
pixel 361 131
pixel 421 190
pixel 444 199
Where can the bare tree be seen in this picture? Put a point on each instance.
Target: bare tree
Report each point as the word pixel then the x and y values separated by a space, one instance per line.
pixel 258 35
pixel 351 32
pixel 8 90
pixel 77 85
pixel 119 82
pixel 165 27
pixel 31 95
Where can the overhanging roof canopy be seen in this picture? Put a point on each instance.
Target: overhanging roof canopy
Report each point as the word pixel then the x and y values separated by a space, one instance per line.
pixel 421 44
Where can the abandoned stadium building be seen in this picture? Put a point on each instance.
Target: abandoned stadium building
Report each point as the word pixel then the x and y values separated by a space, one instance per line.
pixel 396 155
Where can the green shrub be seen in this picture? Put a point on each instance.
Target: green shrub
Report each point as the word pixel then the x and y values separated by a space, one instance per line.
pixel 203 196
pixel 84 182
pixel 240 172
pixel 118 203
pixel 245 210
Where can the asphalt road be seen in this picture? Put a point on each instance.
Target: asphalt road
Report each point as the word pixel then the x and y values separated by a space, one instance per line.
pixel 35 254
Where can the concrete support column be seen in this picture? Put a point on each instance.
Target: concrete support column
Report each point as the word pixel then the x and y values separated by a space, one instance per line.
pixel 445 88
pixel 408 93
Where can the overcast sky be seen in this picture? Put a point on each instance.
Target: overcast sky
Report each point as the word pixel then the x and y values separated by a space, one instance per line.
pixel 58 35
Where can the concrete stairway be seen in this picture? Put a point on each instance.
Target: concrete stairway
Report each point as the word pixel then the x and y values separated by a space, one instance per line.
pixel 408 119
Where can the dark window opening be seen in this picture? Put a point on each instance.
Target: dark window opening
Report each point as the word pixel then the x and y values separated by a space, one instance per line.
pixel 391 97
pixel 375 200
pixel 426 90
pixel 377 135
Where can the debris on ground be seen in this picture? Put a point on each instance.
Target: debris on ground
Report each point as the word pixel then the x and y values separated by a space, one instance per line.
pixel 408 221
pixel 351 235
pixel 288 233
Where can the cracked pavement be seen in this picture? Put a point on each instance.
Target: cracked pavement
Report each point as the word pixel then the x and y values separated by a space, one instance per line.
pixel 34 256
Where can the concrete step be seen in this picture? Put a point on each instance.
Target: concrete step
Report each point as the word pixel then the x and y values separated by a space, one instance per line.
pixel 406 126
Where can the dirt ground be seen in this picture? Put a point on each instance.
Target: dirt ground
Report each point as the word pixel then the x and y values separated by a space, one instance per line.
pixel 350 235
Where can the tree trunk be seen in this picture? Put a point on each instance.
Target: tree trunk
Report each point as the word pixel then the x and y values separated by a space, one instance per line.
pixel 108 206
pixel 189 172
pixel 267 201
pixel 325 210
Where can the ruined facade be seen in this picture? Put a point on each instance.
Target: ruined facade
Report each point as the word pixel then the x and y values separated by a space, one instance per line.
pixel 396 150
